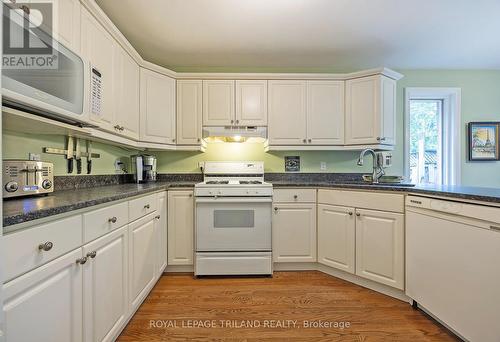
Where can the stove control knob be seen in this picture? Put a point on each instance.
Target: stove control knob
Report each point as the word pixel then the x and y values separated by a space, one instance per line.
pixel 46 184
pixel 11 186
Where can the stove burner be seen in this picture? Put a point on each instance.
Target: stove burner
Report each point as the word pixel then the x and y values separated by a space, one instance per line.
pixel 250 182
pixel 217 182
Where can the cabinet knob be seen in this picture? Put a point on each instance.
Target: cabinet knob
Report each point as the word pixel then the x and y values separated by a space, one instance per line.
pixel 81 261
pixel 237 121
pixel 47 246
pixel 147 206
pixel 117 127
pixel 199 139
pixel 350 213
pixel 381 138
pixel 232 121
pixel 112 219
pixel 275 208
pixel 173 140
pixel 304 140
pixel 310 140
pixel 295 196
pixel 157 217
pixel 92 254
pixel 358 214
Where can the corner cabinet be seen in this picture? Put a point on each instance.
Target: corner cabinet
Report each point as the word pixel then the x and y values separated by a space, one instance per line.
pixel 380 247
pixel 157 107
pixel 370 111
pixel 180 227
pixel 189 112
pixel 314 111
pixel 337 237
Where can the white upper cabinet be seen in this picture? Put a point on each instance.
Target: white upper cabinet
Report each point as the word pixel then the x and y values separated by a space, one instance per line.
pixel 380 247
pixel 251 103
pixel 127 95
pixel 325 112
pixel 189 112
pixel 287 112
pixel 67 23
pixel 157 102
pixel 218 103
pixel 370 110
pixel 98 47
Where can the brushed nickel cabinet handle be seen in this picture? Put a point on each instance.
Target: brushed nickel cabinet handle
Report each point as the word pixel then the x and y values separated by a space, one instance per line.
pixel 92 254
pixel 147 206
pixel 112 219
pixel 81 261
pixel 47 246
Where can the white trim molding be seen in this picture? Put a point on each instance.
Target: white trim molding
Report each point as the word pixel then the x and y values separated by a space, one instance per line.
pixel 452 129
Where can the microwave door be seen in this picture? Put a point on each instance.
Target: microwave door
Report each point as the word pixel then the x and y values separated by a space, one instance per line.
pixel 60 87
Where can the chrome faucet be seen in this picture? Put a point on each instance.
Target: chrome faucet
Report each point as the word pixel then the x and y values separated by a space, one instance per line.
pixel 377 170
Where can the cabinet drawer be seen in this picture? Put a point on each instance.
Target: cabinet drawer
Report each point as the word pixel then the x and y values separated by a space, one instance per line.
pixel 362 199
pixel 102 221
pixel 294 195
pixel 22 248
pixel 142 206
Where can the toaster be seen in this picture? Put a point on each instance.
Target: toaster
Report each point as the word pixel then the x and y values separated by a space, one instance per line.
pixel 27 177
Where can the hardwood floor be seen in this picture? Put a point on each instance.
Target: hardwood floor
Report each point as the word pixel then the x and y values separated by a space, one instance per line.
pixel 227 307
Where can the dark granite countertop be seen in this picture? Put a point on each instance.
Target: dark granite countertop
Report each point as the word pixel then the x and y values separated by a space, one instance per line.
pixel 23 210
pixel 26 209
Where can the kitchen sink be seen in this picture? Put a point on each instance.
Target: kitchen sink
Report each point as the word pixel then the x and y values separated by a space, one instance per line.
pixel 387 180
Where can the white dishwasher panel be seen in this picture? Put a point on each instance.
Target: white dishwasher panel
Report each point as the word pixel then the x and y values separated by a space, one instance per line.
pixel 453 271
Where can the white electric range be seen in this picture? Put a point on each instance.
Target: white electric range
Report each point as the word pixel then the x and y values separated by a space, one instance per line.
pixel 233 220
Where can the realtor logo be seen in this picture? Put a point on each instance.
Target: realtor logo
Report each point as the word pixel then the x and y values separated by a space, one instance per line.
pixel 27 36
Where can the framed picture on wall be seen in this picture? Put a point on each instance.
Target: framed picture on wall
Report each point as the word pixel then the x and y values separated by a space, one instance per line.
pixel 483 141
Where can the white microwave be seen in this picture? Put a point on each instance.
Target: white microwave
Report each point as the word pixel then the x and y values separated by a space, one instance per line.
pixel 54 92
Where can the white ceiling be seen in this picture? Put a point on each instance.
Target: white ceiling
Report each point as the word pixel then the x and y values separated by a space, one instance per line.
pixel 311 35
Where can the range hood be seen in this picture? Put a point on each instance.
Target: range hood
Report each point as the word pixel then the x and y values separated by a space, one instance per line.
pixel 234 134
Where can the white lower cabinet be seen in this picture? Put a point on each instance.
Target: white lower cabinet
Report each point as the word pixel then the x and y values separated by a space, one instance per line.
pixel 46 303
pixel 161 233
pixel 142 258
pixel 294 232
pixel 380 247
pixel 105 289
pixel 337 237
pixel 180 227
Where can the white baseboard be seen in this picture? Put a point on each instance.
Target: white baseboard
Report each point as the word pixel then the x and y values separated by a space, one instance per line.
pixel 179 269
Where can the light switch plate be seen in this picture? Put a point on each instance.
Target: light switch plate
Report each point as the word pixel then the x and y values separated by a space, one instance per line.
pixel 34 156
pixel 322 166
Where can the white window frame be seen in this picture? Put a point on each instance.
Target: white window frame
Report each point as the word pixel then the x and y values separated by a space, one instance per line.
pixel 452 140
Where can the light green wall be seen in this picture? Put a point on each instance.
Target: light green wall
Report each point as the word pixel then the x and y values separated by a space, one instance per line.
pixel 18 145
pixel 480 101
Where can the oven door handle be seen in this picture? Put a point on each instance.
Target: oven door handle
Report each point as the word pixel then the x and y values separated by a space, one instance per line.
pixel 234 200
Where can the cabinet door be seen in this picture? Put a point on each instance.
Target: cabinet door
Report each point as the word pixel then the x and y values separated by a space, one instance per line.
pixel 46 304
pixel 388 136
pixel 251 103
pixel 287 113
pixel 363 117
pixel 180 227
pixel 98 48
pixel 67 23
pixel 105 287
pixel 161 231
pixel 336 237
pixel 380 247
pixel 127 94
pixel 157 123
pixel 189 112
pixel 218 103
pixel 294 232
pixel 142 259
pixel 325 112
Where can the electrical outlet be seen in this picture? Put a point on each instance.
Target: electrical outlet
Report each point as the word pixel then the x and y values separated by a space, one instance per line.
pixel 322 166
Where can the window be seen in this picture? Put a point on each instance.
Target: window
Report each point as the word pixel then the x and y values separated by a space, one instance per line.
pixel 432 144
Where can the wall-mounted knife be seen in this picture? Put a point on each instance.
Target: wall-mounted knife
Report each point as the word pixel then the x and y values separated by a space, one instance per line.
pixel 69 154
pixel 89 157
pixel 78 157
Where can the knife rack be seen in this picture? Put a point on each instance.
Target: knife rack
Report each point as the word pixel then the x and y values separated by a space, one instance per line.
pixel 59 151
